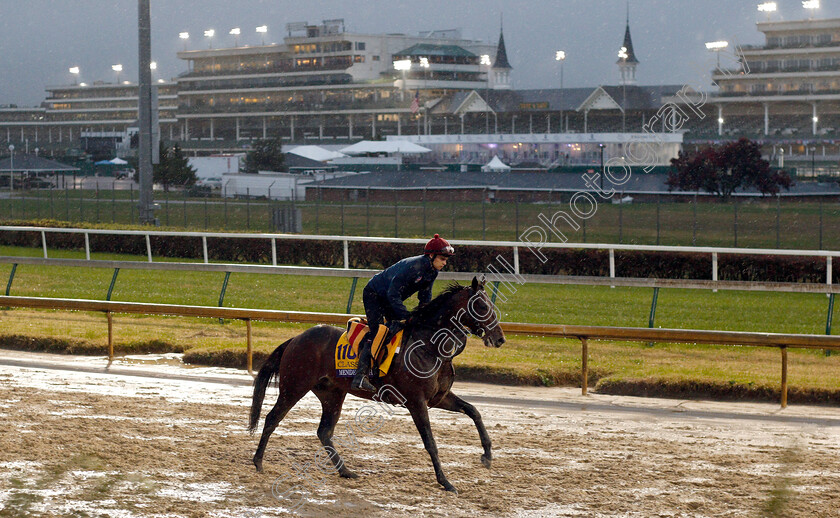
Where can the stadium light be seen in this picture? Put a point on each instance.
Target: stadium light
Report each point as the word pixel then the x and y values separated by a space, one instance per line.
pixel 184 36
pixel 716 47
pixel 767 7
pixel 262 29
pixel 117 68
pixel 424 62
pixel 209 33
pixel 75 72
pixel 153 65
pixel 811 4
pixel 559 55
pixel 402 65
pixel 235 32
pixel 485 60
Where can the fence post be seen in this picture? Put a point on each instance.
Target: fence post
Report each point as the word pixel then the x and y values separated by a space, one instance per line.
pixel 584 365
pixel 67 204
pixel 148 248
pixel 784 389
pixel 185 207
pixel 114 201
pixel 273 251
pixel 516 260
pixel 205 211
pixel 81 204
pixel 352 292
pixel 113 281
pixel 44 243
pixel 52 204
pixel 249 354
pixel 110 318
pixel 204 248
pixel 714 269
pixel 11 278
pixel 87 246
pixel 96 201
pixel 828 319
pixel 612 265
pixel 342 216
pixel 346 255
pixel 222 294
pixel 653 307
pixel 131 202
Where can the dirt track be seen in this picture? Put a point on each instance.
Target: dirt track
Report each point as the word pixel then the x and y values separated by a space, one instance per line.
pixel 91 444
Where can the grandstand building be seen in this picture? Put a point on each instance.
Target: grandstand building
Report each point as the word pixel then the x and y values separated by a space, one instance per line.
pixel 789 87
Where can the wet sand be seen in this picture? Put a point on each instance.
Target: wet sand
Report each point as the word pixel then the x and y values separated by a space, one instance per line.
pixel 100 444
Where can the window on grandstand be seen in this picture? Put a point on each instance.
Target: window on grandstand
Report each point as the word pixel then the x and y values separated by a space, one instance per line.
pixel 360 45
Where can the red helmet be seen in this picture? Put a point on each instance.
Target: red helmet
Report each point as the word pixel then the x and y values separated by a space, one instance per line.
pixel 439 246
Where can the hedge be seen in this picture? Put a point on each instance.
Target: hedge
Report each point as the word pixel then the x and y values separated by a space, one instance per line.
pixel 640 264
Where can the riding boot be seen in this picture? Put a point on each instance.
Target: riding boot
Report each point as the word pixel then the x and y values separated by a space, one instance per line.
pixel 360 380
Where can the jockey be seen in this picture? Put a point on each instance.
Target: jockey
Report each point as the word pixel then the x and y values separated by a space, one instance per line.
pixel 384 294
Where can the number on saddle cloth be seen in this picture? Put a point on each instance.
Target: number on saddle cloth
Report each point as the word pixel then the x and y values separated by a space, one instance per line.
pixel 348 344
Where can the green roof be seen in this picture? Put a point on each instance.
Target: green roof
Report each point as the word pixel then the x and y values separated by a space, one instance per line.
pixel 425 49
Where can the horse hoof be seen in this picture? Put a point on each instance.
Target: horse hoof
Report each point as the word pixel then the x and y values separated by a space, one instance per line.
pixel 449 487
pixel 258 464
pixel 486 461
pixel 348 474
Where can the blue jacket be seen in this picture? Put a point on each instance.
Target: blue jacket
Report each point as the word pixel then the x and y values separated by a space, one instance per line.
pixel 402 280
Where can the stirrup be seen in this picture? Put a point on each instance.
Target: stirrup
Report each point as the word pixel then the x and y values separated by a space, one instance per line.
pixel 362 383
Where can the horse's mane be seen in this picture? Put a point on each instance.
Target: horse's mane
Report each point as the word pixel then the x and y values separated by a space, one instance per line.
pixel 429 310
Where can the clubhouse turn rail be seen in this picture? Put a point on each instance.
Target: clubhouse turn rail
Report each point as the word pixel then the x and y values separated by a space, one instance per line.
pixel 582 333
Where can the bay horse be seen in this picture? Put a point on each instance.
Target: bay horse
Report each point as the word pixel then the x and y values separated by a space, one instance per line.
pixel 420 376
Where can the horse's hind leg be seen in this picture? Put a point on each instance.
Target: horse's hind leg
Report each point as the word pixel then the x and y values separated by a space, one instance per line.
pixel 331 403
pixel 288 397
pixel 453 403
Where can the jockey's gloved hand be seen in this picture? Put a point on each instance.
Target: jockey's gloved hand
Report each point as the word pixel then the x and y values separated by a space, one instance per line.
pixel 395 326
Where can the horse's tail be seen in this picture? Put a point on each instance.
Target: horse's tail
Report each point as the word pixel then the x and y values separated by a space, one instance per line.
pixel 268 370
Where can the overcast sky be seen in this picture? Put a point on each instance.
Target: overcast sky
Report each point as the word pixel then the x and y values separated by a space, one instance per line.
pixel 41 39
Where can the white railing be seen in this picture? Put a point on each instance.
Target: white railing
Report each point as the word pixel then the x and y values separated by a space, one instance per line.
pixel 715 252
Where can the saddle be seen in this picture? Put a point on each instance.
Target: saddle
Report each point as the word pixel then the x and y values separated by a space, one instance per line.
pixel 383 350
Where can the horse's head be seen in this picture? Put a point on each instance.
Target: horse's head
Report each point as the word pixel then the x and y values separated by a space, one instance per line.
pixel 481 316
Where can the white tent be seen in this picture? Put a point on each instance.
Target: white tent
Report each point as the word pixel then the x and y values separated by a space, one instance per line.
pixel 384 146
pixel 316 153
pixel 117 161
pixel 495 166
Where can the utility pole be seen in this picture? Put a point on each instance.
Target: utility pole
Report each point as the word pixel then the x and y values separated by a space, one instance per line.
pixel 144 149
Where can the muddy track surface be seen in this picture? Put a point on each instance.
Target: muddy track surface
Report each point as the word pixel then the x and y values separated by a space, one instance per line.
pixel 99 444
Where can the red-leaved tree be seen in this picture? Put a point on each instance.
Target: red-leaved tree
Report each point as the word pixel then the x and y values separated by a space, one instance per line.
pixel 724 169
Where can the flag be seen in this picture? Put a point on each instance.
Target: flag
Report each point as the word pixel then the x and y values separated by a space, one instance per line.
pixel 415 104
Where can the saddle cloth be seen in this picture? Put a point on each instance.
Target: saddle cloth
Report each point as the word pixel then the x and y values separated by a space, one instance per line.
pixel 347 348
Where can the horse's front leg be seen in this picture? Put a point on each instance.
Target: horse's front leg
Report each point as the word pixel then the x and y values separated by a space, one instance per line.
pixel 420 414
pixel 453 403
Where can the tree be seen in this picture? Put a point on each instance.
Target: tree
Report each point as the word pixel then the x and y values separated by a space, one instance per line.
pixel 174 168
pixel 267 155
pixel 724 169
